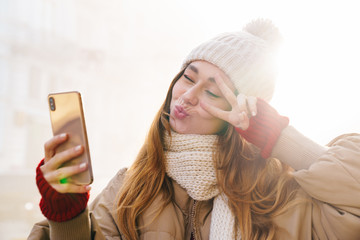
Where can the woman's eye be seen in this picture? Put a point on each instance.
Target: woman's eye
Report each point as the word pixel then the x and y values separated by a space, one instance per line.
pixel 212 94
pixel 188 78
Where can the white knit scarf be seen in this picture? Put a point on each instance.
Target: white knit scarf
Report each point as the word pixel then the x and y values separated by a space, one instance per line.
pixel 189 161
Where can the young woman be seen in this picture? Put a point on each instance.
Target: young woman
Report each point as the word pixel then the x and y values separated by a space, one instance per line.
pixel 218 163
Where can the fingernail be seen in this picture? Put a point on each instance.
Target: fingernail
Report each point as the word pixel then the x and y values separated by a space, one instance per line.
pixel 63 135
pixel 82 166
pixel 78 148
pixel 87 188
pixel 253 113
pixel 242 116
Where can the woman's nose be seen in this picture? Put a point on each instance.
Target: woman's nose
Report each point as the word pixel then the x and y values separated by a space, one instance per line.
pixel 191 96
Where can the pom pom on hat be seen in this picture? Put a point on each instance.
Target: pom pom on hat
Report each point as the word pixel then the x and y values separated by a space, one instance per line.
pixel 266 30
pixel 247 57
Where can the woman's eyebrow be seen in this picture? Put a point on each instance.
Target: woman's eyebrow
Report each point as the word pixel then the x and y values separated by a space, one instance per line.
pixel 194 69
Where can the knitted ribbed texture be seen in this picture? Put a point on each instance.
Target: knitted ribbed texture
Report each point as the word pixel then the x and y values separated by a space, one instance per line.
pixel 57 206
pixel 222 220
pixel 264 128
pixel 247 57
pixel 189 161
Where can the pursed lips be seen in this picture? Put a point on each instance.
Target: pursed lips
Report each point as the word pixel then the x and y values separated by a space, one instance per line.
pixel 180 112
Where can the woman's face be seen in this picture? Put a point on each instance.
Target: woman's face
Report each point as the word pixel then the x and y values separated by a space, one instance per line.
pixel 197 85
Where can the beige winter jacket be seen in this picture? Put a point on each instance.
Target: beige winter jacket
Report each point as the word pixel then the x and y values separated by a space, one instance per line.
pixel 330 193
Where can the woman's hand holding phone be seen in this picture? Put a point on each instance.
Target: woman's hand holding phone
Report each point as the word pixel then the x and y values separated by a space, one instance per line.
pixel 64 175
pixel 57 175
pixel 62 200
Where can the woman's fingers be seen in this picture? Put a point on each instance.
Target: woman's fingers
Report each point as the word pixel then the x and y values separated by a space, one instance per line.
pixel 242 103
pixel 235 118
pixel 251 101
pixel 51 145
pixel 62 157
pixel 58 176
pixel 60 179
pixel 63 173
pixel 71 188
pixel 242 107
pixel 226 91
pixel 217 112
pixel 239 120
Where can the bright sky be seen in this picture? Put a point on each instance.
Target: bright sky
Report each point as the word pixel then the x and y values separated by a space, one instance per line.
pixel 319 82
pixel 318 86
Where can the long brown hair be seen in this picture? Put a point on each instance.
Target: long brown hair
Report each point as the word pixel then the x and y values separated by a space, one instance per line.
pixel 257 189
pixel 146 178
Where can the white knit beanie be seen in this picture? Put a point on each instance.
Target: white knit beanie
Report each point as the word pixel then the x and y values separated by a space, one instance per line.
pixel 247 57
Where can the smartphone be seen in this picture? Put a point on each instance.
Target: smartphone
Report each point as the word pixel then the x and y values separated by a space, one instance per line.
pixel 67 116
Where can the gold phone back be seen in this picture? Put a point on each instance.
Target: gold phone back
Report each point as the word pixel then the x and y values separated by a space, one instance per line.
pixel 68 117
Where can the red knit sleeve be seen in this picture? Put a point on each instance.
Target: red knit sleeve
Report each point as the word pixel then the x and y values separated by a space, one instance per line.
pixel 264 128
pixel 59 207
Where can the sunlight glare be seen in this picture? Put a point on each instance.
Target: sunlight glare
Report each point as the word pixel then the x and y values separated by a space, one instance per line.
pixel 319 76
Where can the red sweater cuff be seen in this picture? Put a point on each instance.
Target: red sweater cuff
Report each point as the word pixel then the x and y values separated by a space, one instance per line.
pixel 264 128
pixel 55 206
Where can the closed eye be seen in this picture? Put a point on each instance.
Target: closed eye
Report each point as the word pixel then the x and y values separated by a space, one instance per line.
pixel 212 94
pixel 188 78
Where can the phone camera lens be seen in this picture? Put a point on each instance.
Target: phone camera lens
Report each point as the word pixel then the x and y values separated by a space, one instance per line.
pixel 52 103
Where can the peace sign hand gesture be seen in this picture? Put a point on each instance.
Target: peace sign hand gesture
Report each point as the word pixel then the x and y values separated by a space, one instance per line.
pixel 253 118
pixel 242 107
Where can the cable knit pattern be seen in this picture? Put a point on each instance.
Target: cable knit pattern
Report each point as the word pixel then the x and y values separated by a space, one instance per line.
pixel 247 57
pixel 189 161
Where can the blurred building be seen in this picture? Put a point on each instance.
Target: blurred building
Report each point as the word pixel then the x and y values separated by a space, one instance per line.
pixel 41 51
pixel 94 47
